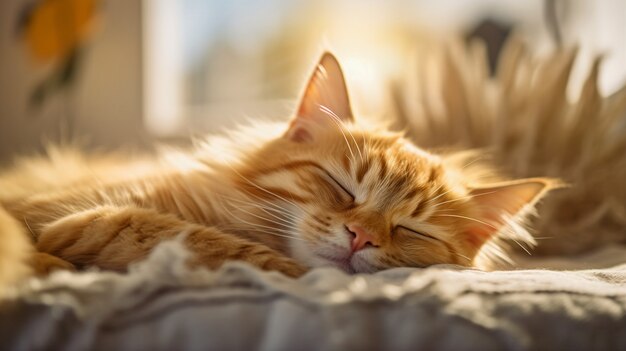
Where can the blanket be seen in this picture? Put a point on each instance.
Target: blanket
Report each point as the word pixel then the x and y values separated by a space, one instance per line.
pixel 160 304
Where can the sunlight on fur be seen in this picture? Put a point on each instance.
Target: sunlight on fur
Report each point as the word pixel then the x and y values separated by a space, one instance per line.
pixel 321 190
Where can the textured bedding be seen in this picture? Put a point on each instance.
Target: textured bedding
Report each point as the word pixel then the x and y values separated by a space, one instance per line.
pixel 161 305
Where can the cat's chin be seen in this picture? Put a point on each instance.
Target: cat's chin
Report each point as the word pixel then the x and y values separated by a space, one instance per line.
pixel 325 256
pixel 351 264
pixel 343 264
pixel 324 260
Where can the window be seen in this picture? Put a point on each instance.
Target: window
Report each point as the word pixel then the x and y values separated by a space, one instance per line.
pixel 211 63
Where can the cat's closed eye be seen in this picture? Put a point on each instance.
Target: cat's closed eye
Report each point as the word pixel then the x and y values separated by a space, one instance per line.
pixel 417 233
pixel 342 191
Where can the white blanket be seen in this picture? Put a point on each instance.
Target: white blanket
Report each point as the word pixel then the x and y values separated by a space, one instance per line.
pixel 161 305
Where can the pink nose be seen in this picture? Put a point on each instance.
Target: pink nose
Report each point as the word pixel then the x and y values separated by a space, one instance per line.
pixel 360 237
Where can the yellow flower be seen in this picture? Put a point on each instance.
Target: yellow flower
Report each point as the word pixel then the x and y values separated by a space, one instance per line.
pixel 54 28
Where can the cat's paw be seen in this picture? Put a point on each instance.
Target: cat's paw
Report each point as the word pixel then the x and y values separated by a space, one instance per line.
pixel 43 264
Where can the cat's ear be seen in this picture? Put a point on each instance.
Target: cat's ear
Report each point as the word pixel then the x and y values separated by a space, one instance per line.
pixel 324 103
pixel 497 202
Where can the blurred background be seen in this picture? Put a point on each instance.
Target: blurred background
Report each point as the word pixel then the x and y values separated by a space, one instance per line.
pixel 112 73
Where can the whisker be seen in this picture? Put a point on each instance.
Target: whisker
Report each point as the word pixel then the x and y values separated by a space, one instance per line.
pixel 231 213
pixel 284 222
pixel 468 218
pixel 264 209
pixel 340 125
pixel 333 115
pixel 268 232
pixel 522 246
pixel 462 198
pixel 250 225
pixel 256 225
pixel 453 200
pixel 502 240
pixel 438 196
pixel 442 210
pixel 32 234
pixel 265 190
pixel 274 207
pixel 462 256
pixel 470 163
pixel 442 194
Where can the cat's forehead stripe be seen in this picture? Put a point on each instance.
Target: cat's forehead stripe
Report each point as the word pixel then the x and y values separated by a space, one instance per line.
pixel 435 173
pixel 383 167
pixel 418 209
pixel 362 170
pixel 411 194
pixel 401 181
pixel 345 161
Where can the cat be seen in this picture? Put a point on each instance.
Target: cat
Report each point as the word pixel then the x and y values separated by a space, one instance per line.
pixel 320 191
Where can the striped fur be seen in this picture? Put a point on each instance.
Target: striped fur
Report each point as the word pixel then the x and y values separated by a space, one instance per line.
pixel 278 196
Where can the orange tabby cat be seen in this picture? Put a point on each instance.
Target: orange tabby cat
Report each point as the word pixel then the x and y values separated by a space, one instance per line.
pixel 322 191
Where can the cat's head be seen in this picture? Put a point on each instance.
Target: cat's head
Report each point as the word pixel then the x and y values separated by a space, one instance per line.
pixel 365 200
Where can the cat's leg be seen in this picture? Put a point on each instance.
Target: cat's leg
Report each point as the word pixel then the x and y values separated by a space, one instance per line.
pixel 43 264
pixel 113 237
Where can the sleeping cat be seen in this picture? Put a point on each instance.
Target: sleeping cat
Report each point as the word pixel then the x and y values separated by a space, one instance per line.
pixel 321 191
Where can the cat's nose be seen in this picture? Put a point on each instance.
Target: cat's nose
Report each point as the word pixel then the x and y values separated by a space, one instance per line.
pixel 361 237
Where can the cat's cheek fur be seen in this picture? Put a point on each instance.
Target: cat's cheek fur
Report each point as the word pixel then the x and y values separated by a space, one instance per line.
pixel 322 249
pixel 361 262
pixel 301 251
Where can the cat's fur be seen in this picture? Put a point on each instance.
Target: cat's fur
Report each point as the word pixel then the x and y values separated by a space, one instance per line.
pixel 321 191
